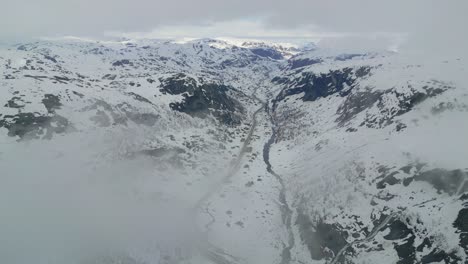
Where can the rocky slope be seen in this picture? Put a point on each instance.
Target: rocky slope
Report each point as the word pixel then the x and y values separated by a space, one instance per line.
pixel 210 151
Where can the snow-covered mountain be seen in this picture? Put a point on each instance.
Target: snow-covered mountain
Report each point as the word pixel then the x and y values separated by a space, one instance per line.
pixel 217 151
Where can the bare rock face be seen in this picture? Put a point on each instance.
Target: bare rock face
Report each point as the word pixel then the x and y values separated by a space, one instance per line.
pixel 314 86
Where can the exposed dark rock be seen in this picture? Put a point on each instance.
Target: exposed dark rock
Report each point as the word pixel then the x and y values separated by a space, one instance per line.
pixel 267 52
pixel 449 181
pixel 33 125
pixel 80 76
pixel 109 77
pixel 385 196
pixel 359 101
pixel 178 84
pixel 344 57
pixel 425 244
pixel 398 230
pixel 406 102
pixel 78 94
pixel 122 63
pixel 139 98
pixel 280 80
pixel 15 102
pixel 96 51
pixel 356 103
pixel 210 98
pixel 22 47
pixel 52 59
pixel 298 63
pixel 363 72
pixel 315 86
pixel 437 256
pixel 321 237
pixel 37 77
pixel 388 180
pixel 239 62
pixel 51 102
pixel 400 126
pixel 405 246
pixel 159 152
pixel 461 223
pixel 62 79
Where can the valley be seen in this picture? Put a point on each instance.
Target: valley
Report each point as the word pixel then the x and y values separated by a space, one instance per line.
pixel 209 151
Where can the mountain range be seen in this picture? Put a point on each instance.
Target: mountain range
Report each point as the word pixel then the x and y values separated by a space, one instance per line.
pixel 215 151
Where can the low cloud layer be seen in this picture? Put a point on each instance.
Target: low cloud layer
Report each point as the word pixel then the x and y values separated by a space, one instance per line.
pixel 87 17
pixel 70 200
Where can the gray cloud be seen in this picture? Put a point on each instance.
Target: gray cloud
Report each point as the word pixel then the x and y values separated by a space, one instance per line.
pixel 435 22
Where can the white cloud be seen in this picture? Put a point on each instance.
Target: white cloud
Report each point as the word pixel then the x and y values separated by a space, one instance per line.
pixel 243 28
pixel 431 24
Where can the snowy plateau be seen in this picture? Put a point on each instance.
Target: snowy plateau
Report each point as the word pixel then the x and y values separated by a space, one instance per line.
pixel 214 151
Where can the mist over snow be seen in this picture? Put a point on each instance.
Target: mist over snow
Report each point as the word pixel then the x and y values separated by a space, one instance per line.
pixel 71 199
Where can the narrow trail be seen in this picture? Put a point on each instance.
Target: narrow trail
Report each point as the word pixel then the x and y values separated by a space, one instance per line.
pixel 371 236
pixel 213 253
pixel 236 163
pixel 286 212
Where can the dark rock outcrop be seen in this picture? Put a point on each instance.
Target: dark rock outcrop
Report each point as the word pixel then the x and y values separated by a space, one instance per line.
pixel 461 223
pixel 178 84
pixel 448 181
pixel 51 102
pixel 211 98
pixel 268 53
pixel 122 63
pixel 201 100
pixel 359 101
pixel 315 86
pixel 34 125
pixel 298 63
pixel 321 237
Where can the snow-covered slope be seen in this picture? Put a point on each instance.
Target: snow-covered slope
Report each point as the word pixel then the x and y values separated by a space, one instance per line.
pixel 371 138
pixel 213 151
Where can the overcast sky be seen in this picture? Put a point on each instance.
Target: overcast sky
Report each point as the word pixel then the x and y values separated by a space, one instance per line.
pixel 434 22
